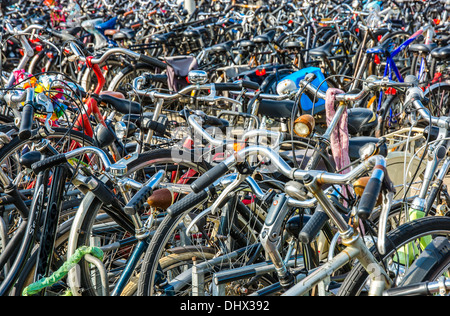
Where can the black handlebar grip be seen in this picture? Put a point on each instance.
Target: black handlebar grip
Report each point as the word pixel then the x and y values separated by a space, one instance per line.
pixel 187 203
pixel 104 194
pixel 157 127
pixel 227 86
pixel 152 61
pixel 313 226
pixel 209 177
pixel 48 163
pixel 417 289
pixel 26 123
pixel 369 197
pixel 138 200
pixel 250 85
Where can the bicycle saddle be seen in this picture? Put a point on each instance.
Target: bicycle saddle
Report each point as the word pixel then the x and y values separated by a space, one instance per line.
pixel 275 109
pixel 422 48
pixel 441 53
pixel 124 34
pixel 110 24
pixel 385 48
pixel 192 33
pixel 121 105
pixel 322 51
pixel 222 48
pixel 247 44
pixel 361 120
pixel 265 38
pixel 162 38
pixel 293 45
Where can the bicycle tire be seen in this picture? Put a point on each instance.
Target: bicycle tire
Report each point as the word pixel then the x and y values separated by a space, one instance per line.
pixel 82 229
pixel 403 235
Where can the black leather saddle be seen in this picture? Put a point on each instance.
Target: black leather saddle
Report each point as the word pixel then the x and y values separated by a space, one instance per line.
pixel 121 105
pixel 322 51
pixel 223 47
pixel 124 34
pixel 422 48
pixel 265 38
pixel 162 38
pixel 361 121
pixel 442 53
pixel 247 44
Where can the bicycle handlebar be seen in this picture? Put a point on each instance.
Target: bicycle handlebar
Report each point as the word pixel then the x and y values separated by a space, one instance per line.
pixel 371 84
pixel 187 90
pixel 280 164
pixel 26 123
pixel 116 168
pixel 141 57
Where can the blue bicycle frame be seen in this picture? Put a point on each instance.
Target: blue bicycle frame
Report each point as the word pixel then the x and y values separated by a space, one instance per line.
pixel 391 68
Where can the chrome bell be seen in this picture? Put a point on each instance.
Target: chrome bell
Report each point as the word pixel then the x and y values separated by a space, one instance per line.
pixel 197 77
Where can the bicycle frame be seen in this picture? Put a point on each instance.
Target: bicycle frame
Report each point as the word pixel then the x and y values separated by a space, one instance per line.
pixel 83 121
pixel 391 68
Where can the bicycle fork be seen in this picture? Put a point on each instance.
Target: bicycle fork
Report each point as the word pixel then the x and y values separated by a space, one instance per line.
pixel 355 249
pixel 271 236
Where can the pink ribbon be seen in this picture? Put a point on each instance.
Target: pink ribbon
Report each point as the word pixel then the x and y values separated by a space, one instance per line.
pixel 339 137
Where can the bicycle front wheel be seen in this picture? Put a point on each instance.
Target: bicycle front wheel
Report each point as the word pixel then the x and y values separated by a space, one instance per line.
pixel 404 245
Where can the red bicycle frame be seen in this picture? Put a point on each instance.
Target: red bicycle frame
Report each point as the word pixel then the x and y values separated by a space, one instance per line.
pixel 91 105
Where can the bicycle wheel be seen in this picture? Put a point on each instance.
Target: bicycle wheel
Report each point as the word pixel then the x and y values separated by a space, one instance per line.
pixel 10 158
pixel 62 140
pixel 403 246
pixel 231 235
pixel 439 99
pixel 122 81
pixel 93 227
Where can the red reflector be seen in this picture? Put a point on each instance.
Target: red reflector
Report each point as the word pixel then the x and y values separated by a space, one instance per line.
pixel 391 91
pixel 38 48
pixel 377 60
pixel 261 73
pixel 380 37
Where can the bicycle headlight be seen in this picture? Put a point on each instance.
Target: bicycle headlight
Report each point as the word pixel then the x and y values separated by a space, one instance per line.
pixel 187 220
pixel 304 125
pixel 368 150
pixel 121 130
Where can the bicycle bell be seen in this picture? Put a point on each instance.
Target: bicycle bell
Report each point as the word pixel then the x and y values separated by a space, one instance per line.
pixel 197 77
pixel 286 86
